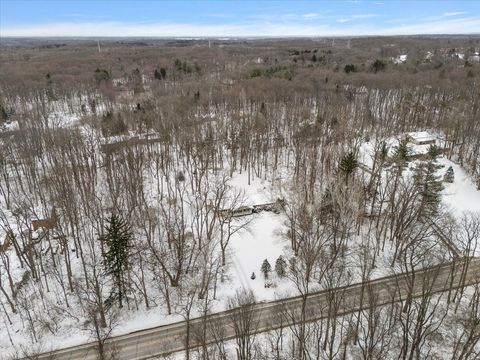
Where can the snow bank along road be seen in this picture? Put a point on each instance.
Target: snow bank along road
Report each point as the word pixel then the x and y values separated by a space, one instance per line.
pixel 267 316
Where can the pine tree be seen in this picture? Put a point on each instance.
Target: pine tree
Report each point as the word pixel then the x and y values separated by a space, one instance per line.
pixel 433 152
pixel 101 75
pixel 348 164
pixel 429 186
pixel 401 153
pixel 378 65
pixel 384 151
pixel 160 74
pixel 3 114
pixel 178 64
pixel 266 268
pixel 349 68
pixel 117 238
pixel 449 175
pixel 280 266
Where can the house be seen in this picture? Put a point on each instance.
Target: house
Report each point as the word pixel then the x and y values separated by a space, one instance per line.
pixel 241 211
pixel 275 207
pixel 418 144
pixel 428 57
pixel 474 58
pixel 400 59
pixel 421 138
pixel 46 224
pixel 6 243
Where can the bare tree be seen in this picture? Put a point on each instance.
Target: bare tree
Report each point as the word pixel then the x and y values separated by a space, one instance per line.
pixel 244 323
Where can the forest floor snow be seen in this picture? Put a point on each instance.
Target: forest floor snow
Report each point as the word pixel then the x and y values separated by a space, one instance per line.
pixel 263 238
pixel 461 195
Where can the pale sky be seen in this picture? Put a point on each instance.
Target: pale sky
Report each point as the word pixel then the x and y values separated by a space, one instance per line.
pixel 236 18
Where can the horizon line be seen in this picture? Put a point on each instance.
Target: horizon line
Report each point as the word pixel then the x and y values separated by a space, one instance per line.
pixel 219 37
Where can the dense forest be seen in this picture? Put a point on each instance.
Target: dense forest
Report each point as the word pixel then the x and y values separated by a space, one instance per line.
pixel 119 168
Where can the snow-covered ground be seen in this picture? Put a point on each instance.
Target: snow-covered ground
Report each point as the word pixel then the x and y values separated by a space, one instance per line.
pixel 367 148
pixel 461 195
pixel 263 238
pixel 400 59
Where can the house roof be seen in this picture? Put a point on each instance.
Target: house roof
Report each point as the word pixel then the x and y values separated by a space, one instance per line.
pixel 421 136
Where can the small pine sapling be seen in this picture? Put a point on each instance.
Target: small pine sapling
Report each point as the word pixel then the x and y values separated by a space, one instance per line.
pixel 280 266
pixel 266 268
pixel 449 175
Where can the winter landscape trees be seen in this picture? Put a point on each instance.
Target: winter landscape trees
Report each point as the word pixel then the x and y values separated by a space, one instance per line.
pixel 174 174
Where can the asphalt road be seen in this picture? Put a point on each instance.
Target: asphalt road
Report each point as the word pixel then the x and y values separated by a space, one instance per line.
pixel 267 316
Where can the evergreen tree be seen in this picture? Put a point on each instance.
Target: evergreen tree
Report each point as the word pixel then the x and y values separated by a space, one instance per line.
pixel 137 81
pixel 196 96
pixel 117 238
pixel 49 87
pixel 429 186
pixel 433 152
pixel 378 65
pixel 349 68
pixel 449 175
pixel 101 75
pixel 384 152
pixel 186 68
pixel 160 74
pixel 255 73
pixel 348 164
pixel 178 64
pixel 266 268
pixel 280 266
pixel 401 153
pixel 3 114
